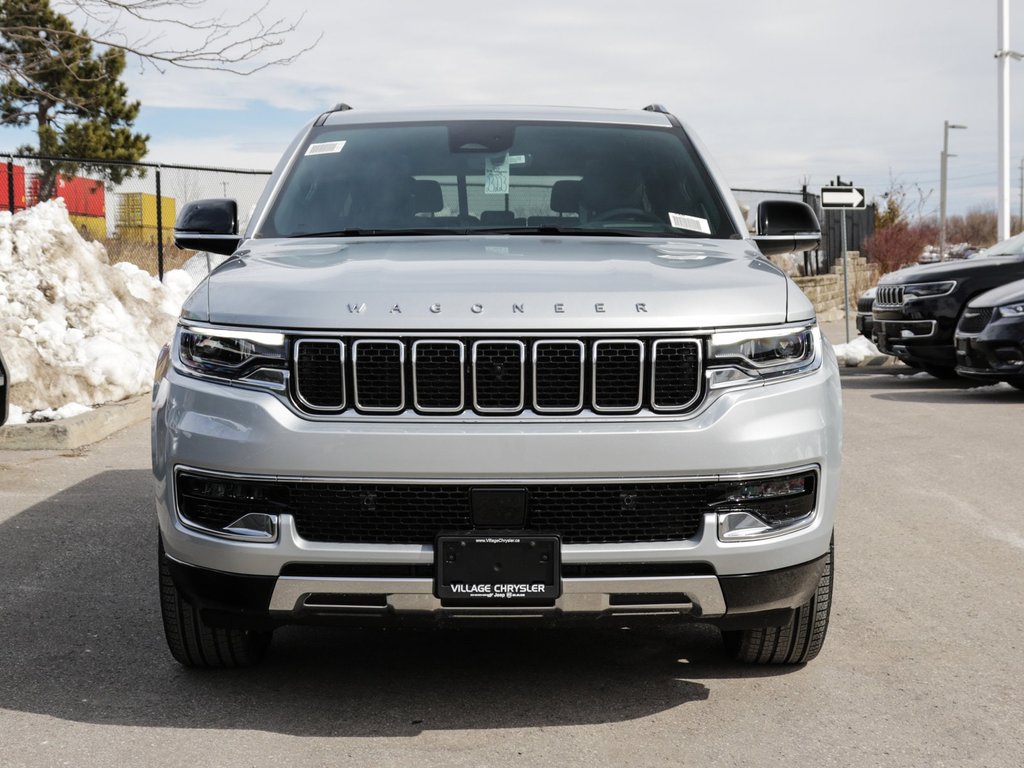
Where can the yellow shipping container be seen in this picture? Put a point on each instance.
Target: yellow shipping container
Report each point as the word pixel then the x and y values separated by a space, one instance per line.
pixel 138 209
pixel 90 227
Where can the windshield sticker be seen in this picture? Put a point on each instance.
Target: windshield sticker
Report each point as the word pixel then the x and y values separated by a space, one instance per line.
pixel 517 159
pixel 692 223
pixel 325 148
pixel 496 175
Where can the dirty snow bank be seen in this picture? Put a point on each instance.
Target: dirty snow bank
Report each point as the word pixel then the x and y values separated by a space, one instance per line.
pixel 856 352
pixel 74 329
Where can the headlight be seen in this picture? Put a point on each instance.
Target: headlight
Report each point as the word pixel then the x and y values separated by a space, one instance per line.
pixel 928 290
pixel 1012 310
pixel 739 357
pixel 254 357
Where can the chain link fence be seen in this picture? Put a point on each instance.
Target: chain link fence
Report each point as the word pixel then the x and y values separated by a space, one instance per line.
pixel 129 207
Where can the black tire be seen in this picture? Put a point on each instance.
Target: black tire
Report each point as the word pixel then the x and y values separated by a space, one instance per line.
pixel 194 643
pixel 796 643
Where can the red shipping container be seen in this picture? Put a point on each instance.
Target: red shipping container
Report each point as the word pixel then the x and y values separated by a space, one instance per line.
pixel 19 188
pixel 84 197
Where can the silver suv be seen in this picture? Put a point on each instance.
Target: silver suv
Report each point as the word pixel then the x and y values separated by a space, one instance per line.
pixel 496 363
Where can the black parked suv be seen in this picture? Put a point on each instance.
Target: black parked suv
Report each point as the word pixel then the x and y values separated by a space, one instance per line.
pixel 990 336
pixel 916 310
pixel 3 391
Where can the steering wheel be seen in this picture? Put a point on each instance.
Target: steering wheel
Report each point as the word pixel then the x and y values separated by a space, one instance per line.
pixel 633 214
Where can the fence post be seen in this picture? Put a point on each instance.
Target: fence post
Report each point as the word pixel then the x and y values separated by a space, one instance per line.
pixel 10 184
pixel 159 228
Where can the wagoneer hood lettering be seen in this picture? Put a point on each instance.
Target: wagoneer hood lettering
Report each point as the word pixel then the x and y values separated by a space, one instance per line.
pixel 497 282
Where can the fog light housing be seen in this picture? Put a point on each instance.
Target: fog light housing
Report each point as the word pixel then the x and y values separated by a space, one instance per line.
pixel 230 508
pixel 255 525
pixel 759 508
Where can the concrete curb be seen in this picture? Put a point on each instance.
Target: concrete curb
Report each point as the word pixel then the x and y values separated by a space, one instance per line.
pixel 102 421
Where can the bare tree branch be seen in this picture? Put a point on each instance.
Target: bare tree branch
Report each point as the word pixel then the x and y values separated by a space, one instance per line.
pixel 242 44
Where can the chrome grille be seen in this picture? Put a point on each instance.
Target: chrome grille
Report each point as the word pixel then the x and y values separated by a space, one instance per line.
pixel 498 376
pixel 975 320
pixel 889 296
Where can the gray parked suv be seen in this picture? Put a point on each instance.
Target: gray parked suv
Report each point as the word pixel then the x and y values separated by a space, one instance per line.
pixel 495 363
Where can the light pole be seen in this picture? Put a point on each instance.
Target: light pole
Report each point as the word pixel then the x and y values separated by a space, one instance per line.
pixel 1003 56
pixel 1020 221
pixel 944 156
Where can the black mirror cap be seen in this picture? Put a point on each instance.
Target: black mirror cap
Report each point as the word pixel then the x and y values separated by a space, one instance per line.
pixel 784 226
pixel 4 384
pixel 208 225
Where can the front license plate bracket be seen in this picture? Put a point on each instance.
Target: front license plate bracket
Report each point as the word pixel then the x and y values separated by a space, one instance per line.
pixel 498 569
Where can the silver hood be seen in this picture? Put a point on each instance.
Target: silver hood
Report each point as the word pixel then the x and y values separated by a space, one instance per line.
pixel 494 282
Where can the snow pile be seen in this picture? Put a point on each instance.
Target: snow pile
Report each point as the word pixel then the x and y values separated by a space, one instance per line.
pixel 73 329
pixel 856 352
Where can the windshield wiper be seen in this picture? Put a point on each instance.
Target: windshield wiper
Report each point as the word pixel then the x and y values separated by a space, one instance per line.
pixel 380 232
pixel 542 230
pixel 583 231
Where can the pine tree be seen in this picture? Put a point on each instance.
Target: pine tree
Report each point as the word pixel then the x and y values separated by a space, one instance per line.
pixel 73 96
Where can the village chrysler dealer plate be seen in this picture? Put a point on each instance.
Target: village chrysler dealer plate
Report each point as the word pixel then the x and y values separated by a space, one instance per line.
pixel 498 568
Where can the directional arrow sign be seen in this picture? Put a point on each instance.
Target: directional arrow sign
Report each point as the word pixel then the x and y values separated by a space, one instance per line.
pixel 842 197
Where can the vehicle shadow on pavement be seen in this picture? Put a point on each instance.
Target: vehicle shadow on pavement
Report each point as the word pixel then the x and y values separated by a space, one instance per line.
pixel 81 639
pixel 923 388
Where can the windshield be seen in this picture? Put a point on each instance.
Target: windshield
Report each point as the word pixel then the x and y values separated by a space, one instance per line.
pixel 495 176
pixel 1012 247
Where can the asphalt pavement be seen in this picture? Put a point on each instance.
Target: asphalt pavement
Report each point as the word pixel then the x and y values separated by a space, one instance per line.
pixel 922 666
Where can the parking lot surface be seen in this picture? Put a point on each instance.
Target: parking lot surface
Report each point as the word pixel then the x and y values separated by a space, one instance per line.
pixel 921 667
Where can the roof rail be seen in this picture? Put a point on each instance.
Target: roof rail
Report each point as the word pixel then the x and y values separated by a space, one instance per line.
pixel 656 108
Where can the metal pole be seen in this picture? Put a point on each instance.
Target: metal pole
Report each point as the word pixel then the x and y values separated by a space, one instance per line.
pixel 1003 65
pixel 10 184
pixel 159 229
pixel 1020 220
pixel 944 158
pixel 846 272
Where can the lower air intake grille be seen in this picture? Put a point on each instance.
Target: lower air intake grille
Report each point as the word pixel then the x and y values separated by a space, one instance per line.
pixel 975 320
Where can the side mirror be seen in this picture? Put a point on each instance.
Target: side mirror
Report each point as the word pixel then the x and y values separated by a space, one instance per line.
pixel 784 226
pixel 208 225
pixel 3 391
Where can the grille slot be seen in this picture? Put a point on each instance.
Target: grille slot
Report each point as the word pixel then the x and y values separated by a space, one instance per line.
pixel 675 373
pixel 379 375
pixel 975 320
pixel 438 376
pixel 320 374
pixel 618 375
pixel 496 376
pixel 558 376
pixel 889 296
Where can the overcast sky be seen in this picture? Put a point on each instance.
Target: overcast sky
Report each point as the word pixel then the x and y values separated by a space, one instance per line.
pixel 782 92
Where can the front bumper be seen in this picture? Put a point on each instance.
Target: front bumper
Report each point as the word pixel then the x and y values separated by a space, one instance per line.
pixel 263 602
pixel 994 354
pixel 749 431
pixel 918 332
